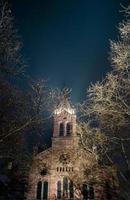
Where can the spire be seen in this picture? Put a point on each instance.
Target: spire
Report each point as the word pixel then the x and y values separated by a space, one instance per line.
pixel 64 104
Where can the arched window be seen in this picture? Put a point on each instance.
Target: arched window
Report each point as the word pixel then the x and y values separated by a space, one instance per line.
pixel 39 189
pixel 59 190
pixel 68 129
pixel 71 190
pixel 61 129
pixel 45 191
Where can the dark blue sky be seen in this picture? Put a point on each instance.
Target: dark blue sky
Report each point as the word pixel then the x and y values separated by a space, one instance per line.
pixel 67 41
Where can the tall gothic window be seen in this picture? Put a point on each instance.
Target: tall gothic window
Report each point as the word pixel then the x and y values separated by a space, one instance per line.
pixel 68 129
pixel 39 190
pixel 45 191
pixel 42 190
pixel 65 187
pixel 59 190
pixel 61 129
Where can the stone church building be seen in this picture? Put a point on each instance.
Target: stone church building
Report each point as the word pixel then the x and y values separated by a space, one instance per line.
pixel 53 170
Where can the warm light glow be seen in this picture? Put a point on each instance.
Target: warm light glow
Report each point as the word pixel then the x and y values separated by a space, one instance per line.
pixel 61 109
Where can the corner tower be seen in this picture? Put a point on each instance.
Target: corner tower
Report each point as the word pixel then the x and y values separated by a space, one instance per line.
pixel 64 126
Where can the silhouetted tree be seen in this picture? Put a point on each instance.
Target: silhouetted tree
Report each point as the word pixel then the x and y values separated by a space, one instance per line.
pixel 21 111
pixel 107 106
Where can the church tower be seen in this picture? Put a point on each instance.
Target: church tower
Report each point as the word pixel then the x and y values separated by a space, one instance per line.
pixel 64 126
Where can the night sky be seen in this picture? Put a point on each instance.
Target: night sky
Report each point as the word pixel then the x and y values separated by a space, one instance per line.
pixel 67 41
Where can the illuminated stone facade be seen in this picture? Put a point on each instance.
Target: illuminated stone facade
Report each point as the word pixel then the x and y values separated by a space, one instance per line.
pixel 51 169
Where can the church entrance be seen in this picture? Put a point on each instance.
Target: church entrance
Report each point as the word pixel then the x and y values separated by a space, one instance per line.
pixel 66 191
